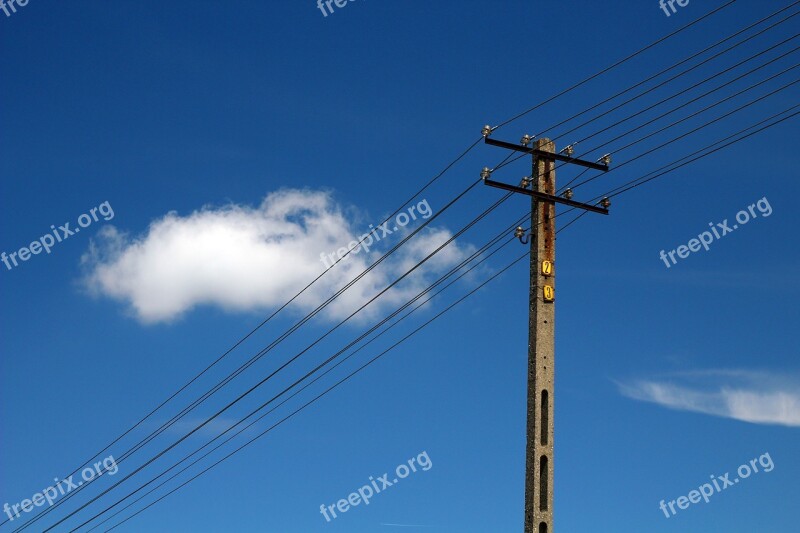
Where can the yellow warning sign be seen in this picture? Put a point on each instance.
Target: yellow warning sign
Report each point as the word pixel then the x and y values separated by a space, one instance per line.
pixel 549 293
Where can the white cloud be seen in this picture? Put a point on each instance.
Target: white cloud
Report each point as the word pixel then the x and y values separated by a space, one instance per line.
pixel 243 258
pixel 756 397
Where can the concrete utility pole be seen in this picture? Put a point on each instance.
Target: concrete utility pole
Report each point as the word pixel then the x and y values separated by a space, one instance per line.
pixel 541 349
pixel 541 317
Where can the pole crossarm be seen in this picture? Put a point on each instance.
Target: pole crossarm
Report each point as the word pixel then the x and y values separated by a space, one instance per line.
pixel 545 197
pixel 546 155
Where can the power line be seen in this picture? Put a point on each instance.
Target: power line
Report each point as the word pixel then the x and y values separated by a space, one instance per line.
pixel 618 63
pixel 264 380
pixel 648 108
pixel 231 376
pixel 680 106
pixel 343 380
pixel 143 442
pixel 715 104
pixel 733 80
pixel 726 145
pixel 524 255
pixel 474 255
pixel 628 117
pixel 658 175
pixel 695 130
pixel 684 72
pixel 663 83
pixel 479 252
pixel 573 180
pixel 289 388
pixel 364 366
pixel 434 179
pixel 268 319
pixel 197 402
pixel 430 182
pixel 297 325
pixel 681 62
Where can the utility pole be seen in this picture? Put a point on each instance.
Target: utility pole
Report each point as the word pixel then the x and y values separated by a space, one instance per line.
pixel 541 187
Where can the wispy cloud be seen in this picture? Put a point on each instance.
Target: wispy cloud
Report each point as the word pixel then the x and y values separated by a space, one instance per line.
pixel 750 396
pixel 243 258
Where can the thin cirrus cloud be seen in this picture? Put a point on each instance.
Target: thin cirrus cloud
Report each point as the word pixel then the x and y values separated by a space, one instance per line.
pixel 749 396
pixel 243 258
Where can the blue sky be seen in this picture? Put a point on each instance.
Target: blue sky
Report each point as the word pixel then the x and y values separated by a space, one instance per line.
pixel 235 142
